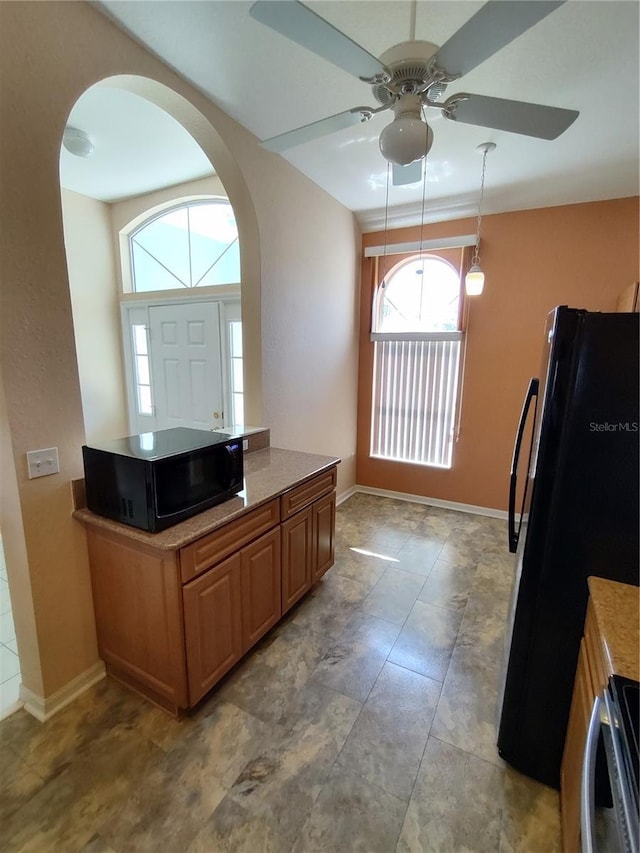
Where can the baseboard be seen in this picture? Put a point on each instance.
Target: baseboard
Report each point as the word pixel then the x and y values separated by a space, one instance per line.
pixel 43 708
pixel 345 495
pixel 420 499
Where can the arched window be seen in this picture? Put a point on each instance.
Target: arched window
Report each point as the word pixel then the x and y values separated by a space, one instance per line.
pixel 419 295
pixel 416 330
pixel 190 245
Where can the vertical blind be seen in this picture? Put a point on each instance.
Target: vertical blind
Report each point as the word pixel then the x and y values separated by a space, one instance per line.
pixel 415 385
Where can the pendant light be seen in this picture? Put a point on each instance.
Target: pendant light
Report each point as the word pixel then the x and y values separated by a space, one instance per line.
pixel 474 280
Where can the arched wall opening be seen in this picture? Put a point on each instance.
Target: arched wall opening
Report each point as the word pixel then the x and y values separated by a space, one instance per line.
pixel 47 563
pixel 96 240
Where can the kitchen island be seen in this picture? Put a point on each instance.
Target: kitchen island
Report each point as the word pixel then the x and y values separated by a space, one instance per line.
pixel 176 610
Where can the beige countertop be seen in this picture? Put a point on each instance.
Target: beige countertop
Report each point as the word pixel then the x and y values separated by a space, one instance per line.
pixel 267 474
pixel 617 611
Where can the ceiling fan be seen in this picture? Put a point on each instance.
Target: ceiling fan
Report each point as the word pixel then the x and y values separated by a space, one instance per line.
pixel 413 75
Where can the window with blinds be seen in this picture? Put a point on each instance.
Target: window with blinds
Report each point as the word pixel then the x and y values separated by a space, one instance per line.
pixel 417 350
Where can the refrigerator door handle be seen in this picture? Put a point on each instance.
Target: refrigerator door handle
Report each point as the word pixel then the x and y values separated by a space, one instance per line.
pixel 532 393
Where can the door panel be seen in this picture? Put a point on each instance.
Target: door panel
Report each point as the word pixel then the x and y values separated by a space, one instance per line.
pixel 213 627
pixel 186 365
pixel 261 605
pixel 297 551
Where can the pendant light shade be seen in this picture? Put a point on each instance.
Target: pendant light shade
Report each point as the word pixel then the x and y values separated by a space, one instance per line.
pixel 474 279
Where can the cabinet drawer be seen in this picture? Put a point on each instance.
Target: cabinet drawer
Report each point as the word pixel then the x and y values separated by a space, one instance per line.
pixel 209 550
pixel 307 493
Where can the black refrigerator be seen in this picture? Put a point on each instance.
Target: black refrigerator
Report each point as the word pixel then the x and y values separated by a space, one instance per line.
pixel 573 512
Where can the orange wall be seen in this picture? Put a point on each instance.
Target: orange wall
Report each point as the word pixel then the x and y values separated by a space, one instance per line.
pixel 580 255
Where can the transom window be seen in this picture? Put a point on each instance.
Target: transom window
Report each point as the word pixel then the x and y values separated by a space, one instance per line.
pixel 419 295
pixel 417 346
pixel 193 245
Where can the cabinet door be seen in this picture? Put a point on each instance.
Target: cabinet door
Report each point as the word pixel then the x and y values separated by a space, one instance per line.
pixel 213 625
pixel 297 552
pixel 324 528
pixel 261 605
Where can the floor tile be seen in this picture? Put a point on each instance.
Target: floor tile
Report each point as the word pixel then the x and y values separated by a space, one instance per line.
pixel 330 606
pixel 448 584
pixel 352 665
pixel 12 645
pixel 393 596
pixel 9 694
pixel 283 782
pixel 467 712
pixel 179 791
pixel 419 554
pixel 351 815
pixel 456 804
pixel 18 783
pixel 9 663
pixel 65 815
pixel 427 640
pixel 362 564
pixel 232 828
pixel 388 738
pixel 5 600
pixel 531 819
pixel 7 628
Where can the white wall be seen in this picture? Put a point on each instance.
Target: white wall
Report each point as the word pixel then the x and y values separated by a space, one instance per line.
pixel 96 320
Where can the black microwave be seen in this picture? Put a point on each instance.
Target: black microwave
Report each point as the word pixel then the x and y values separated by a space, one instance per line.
pixel 157 479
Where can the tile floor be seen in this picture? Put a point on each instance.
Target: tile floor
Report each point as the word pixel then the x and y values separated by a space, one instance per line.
pixel 364 722
pixel 9 663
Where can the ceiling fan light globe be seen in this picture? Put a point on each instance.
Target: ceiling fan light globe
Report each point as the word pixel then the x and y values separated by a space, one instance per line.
pixel 406 140
pixel 474 281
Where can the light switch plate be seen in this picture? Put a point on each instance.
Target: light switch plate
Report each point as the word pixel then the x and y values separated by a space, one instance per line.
pixel 40 463
pixel 245 444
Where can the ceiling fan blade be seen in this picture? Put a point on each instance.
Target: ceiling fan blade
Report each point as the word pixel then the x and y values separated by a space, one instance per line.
pixel 403 175
pixel 297 22
pixel 315 130
pixel 515 116
pixel 493 27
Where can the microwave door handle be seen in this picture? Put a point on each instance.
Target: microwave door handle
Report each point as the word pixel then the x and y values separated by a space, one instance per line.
pixel 587 794
pixel 532 393
pixel 232 465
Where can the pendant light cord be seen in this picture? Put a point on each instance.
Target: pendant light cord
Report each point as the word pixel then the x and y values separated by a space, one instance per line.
pixel 475 261
pixel 386 220
pixel 424 195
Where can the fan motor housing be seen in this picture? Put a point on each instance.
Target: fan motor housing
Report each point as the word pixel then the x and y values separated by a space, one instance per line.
pixel 408 62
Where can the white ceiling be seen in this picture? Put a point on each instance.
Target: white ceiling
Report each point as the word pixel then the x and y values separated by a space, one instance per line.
pixel 583 56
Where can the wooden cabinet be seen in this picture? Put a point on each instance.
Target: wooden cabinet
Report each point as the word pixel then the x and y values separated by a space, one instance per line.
pixel 213 625
pixel 171 623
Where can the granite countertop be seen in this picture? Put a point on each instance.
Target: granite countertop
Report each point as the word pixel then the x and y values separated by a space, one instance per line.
pixel 617 611
pixel 267 474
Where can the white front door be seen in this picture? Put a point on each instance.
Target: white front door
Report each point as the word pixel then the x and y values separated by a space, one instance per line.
pixel 186 366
